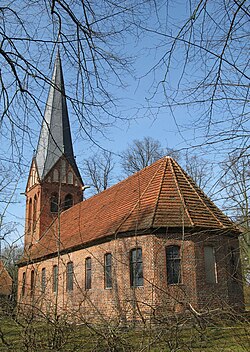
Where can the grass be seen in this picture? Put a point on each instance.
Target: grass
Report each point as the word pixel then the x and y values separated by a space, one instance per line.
pixel 33 336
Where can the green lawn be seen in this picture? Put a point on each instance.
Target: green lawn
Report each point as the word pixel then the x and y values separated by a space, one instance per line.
pixel 34 336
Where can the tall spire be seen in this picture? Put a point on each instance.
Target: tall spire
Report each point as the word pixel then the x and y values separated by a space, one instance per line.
pixel 55 137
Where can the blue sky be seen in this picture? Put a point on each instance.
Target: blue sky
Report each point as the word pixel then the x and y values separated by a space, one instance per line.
pixel 175 128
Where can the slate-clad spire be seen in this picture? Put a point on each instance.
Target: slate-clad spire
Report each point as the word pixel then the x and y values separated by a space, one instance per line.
pixel 55 137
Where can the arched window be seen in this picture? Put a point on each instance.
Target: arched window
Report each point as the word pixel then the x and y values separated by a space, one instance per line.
pixel 30 215
pixel 233 263
pixel 173 265
pixel 34 213
pixel 68 201
pixel 54 203
pixel 70 178
pixel 69 276
pixel 23 283
pixel 55 175
pixel 43 280
pixel 32 282
pixel 55 278
pixel 210 265
pixel 88 273
pixel 108 270
pixel 136 270
pixel 63 171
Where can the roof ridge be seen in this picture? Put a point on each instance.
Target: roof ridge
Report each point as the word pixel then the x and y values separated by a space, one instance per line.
pixel 166 159
pixel 197 193
pixel 179 191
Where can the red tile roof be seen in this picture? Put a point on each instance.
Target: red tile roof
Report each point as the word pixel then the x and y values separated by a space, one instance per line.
pixel 160 195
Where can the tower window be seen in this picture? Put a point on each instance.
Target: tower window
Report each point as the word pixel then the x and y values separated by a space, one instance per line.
pixel 136 270
pixel 54 203
pixel 34 213
pixel 108 270
pixel 63 171
pixel 70 178
pixel 30 215
pixel 55 175
pixel 68 201
pixel 173 265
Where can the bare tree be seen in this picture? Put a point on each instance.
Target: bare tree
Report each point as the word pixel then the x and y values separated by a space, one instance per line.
pixel 91 35
pixel 98 171
pixel 142 153
pixel 203 63
pixel 235 184
pixel 10 255
pixel 199 170
pixel 8 185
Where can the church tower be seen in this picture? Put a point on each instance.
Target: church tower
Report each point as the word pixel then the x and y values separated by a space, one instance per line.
pixel 54 182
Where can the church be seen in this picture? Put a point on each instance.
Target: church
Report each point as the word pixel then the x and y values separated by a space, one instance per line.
pixel 152 245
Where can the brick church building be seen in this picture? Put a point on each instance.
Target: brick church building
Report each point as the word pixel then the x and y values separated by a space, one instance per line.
pixel 153 244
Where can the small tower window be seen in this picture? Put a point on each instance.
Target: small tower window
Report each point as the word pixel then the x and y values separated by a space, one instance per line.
pixel 54 203
pixel 70 178
pixel 68 201
pixel 34 213
pixel 63 171
pixel 30 215
pixel 55 176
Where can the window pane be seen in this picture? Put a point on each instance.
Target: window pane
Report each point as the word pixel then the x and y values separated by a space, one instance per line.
pixel 23 284
pixel 70 275
pixel 136 267
pixel 70 178
pixel 210 264
pixel 32 282
pixel 68 201
pixel 88 273
pixel 233 263
pixel 108 270
pixel 55 278
pixel 173 265
pixel 54 203
pixel 43 279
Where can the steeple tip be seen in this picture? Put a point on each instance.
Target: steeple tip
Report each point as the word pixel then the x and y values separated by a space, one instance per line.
pixel 55 137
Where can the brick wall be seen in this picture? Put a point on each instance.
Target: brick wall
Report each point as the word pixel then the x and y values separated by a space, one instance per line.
pixel 124 302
